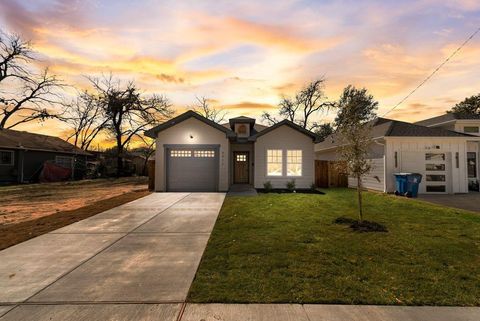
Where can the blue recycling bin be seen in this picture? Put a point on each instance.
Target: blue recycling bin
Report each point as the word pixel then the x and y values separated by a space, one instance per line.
pixel 407 184
pixel 401 182
pixel 413 182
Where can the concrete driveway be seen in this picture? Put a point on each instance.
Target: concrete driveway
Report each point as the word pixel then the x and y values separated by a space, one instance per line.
pixel 469 202
pixel 133 262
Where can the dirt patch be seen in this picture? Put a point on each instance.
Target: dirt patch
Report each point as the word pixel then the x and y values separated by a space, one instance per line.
pixel 11 234
pixel 20 203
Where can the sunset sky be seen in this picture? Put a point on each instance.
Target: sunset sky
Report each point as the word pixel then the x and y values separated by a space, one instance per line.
pixel 244 55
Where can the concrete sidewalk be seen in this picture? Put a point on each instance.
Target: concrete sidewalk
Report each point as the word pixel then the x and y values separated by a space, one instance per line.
pixel 237 312
pixel 143 252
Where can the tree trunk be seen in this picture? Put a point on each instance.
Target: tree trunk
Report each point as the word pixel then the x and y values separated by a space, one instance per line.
pixel 359 192
pixel 119 157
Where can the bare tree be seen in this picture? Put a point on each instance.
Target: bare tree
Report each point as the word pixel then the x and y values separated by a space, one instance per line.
pixel 354 122
pixel 24 95
pixel 309 101
pixel 128 112
pixel 203 108
pixel 86 117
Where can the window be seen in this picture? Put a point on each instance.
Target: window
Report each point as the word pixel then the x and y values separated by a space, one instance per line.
pixel 241 158
pixel 435 178
pixel 435 156
pixel 435 167
pixel 436 188
pixel 204 153
pixel 64 161
pixel 470 129
pixel 242 129
pixel 472 164
pixel 6 157
pixel 274 162
pixel 181 153
pixel 294 163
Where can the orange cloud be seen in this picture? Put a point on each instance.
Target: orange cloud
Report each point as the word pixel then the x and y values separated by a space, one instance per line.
pixel 249 105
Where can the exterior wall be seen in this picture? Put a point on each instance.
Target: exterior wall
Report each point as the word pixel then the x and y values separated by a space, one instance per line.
pixel 180 134
pixel 375 180
pixel 284 138
pixel 421 145
pixel 248 147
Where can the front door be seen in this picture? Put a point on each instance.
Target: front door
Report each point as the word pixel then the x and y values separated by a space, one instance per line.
pixel 240 167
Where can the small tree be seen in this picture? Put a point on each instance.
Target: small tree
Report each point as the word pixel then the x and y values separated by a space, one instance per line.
pixel 468 106
pixel 309 101
pixel 356 111
pixel 203 107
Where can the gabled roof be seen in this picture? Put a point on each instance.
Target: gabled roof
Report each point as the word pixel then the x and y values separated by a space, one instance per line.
pixel 189 114
pixel 14 139
pixel 241 119
pixel 286 123
pixel 383 127
pixel 448 117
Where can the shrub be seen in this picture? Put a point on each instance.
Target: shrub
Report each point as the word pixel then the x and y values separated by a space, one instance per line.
pixel 267 186
pixel 313 187
pixel 291 185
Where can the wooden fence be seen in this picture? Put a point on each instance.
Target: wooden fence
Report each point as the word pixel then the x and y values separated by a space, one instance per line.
pixel 328 175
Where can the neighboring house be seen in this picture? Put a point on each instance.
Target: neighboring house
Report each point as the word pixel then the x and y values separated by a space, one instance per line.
pixel 23 154
pixel 437 148
pixel 196 154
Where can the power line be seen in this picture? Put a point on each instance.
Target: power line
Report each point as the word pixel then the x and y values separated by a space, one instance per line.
pixel 435 71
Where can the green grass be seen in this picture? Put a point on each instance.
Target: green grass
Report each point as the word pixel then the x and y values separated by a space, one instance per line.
pixel 285 248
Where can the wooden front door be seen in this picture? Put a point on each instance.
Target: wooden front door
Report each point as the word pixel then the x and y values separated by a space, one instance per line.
pixel 240 167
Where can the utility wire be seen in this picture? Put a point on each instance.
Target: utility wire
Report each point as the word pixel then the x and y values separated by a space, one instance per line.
pixel 435 71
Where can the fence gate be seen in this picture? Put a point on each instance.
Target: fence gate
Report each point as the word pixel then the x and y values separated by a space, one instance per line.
pixel 328 175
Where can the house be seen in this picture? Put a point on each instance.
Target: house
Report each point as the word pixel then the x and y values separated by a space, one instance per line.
pixel 23 155
pixel 197 154
pixel 443 149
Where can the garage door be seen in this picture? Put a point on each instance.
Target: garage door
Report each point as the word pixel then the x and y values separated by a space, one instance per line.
pixel 435 167
pixel 192 169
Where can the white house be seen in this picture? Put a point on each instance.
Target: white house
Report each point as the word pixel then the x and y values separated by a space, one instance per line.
pixel 443 149
pixel 196 154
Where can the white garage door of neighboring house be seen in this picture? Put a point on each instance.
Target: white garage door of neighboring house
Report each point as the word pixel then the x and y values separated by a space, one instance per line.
pixel 434 166
pixel 192 169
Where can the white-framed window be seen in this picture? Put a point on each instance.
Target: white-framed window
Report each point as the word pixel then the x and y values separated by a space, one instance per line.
pixel 294 162
pixel 64 161
pixel 181 153
pixel 204 153
pixel 471 129
pixel 6 157
pixel 274 162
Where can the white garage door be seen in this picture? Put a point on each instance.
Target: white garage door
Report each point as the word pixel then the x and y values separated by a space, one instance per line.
pixel 434 166
pixel 192 169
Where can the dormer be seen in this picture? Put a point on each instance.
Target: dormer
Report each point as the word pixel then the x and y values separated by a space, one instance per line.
pixel 242 126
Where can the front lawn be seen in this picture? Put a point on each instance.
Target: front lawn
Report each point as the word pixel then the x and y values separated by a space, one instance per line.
pixel 285 248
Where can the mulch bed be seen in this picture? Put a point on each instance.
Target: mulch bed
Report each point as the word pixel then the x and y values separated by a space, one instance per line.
pixel 361 226
pixel 11 234
pixel 286 191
